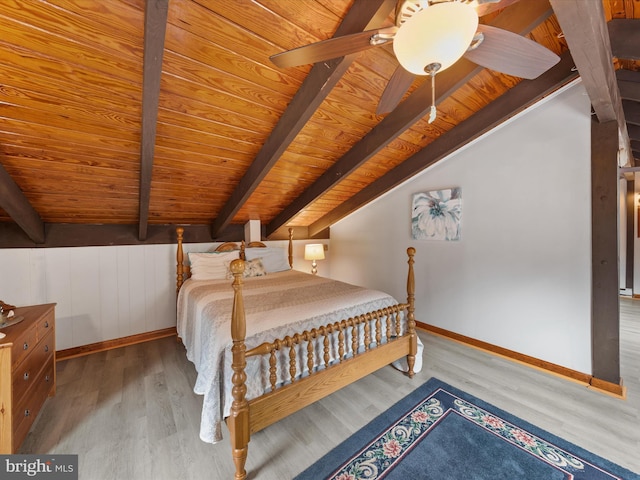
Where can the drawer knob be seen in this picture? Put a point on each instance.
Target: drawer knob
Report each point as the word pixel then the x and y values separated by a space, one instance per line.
pixel 26 376
pixel 46 324
pixel 46 348
pixel 27 413
pixel 25 346
pixel 47 378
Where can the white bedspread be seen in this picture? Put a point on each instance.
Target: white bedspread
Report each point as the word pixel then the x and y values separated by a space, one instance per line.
pixel 276 305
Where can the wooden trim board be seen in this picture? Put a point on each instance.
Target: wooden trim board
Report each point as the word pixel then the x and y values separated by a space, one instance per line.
pixel 583 378
pixel 115 343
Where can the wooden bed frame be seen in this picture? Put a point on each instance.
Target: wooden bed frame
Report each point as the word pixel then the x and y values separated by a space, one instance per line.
pixel 249 416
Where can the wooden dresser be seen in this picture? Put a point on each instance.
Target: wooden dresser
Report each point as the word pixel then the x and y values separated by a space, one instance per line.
pixel 27 372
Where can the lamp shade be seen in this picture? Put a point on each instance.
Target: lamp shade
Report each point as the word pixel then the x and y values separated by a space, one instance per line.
pixel 439 34
pixel 314 251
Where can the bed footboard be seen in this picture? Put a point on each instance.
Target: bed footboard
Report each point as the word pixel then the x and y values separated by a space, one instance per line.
pixel 383 344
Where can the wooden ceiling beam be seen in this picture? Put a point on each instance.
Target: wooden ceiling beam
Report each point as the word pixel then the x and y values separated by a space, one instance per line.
pixel 92 235
pixel 87 235
pixel 13 201
pixel 585 30
pixel 520 18
pixel 515 100
pixel 155 26
pixel 363 15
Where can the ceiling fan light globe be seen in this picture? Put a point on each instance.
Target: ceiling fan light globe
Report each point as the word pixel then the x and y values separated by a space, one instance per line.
pixel 440 33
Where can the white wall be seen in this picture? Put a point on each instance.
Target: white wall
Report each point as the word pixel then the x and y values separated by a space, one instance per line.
pixel 101 293
pixel 104 293
pixel 520 276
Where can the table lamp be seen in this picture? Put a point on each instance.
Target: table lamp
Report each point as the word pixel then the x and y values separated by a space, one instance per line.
pixel 314 251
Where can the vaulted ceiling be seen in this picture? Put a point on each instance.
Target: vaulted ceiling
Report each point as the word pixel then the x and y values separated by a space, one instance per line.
pixel 120 119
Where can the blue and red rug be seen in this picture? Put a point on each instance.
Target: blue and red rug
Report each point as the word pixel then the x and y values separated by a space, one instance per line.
pixel 441 433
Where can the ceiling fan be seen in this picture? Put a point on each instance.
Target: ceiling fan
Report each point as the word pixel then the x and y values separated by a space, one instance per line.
pixel 430 36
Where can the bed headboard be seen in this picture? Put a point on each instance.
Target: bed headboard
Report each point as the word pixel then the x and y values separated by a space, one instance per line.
pixel 183 270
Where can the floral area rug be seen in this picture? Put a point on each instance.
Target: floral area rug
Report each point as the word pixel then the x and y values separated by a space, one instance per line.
pixel 441 433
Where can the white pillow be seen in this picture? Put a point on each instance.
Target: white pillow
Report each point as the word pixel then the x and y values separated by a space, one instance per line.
pixel 274 259
pixel 211 266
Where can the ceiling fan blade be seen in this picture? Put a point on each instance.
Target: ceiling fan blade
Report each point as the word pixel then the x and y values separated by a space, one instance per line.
pixel 333 48
pixel 398 85
pixel 510 53
pixel 486 7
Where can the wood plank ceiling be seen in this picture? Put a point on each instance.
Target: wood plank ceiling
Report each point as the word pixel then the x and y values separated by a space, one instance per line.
pixel 120 119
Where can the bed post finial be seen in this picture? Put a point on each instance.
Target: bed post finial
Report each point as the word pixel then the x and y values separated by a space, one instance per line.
pixel 179 260
pixel 238 420
pixel 411 298
pixel 290 247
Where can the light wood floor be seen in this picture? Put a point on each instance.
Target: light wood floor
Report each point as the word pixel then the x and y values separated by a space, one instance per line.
pixel 131 412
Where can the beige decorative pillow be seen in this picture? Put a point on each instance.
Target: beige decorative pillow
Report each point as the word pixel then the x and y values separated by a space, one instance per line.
pixel 254 268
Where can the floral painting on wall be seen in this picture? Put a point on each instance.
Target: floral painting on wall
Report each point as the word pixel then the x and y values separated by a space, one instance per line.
pixel 436 215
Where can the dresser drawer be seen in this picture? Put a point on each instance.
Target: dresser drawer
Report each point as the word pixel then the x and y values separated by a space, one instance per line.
pixel 23 345
pixel 27 409
pixel 26 372
pixel 45 324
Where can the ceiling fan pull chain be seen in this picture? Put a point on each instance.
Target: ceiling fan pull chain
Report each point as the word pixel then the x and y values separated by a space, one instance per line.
pixel 432 111
pixel 431 71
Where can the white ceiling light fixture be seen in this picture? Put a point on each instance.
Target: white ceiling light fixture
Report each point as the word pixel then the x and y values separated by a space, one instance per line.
pixel 431 38
pixel 435 37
